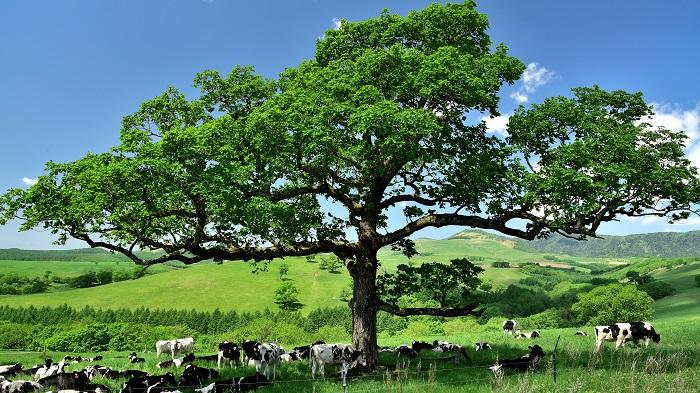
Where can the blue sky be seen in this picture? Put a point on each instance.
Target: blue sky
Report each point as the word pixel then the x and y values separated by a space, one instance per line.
pixel 69 70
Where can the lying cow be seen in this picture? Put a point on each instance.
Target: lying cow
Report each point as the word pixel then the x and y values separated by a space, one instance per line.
pixel 33 370
pixel 195 375
pixel 177 362
pixel 344 354
pixel 141 384
pixel 303 351
pixel 49 370
pixel 482 346
pixel 12 369
pixel 74 380
pixel 581 333
pixel 444 346
pixel 18 386
pixel 243 384
pixel 133 358
pixel 230 353
pixel 527 336
pixel 421 345
pixel 509 326
pixel 527 362
pixel 624 332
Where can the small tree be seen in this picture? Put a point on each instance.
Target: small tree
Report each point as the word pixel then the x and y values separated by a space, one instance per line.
pixel 613 303
pixel 637 278
pixel 284 271
pixel 330 263
pixel 287 297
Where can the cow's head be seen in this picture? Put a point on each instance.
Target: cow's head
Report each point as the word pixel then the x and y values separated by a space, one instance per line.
pixel 188 358
pixel 655 337
pixel 536 351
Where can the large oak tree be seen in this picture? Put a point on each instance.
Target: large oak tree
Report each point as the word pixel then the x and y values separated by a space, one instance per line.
pixel 313 161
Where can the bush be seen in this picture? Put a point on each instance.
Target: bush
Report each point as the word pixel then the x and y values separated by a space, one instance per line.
pixel 423 327
pixel 287 297
pixel 550 318
pixel 613 303
pixel 697 280
pixel 657 289
pixel 16 336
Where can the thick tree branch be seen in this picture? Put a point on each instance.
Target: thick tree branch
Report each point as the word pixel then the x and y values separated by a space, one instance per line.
pixel 437 312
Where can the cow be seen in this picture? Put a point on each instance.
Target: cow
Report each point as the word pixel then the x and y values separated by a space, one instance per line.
pixel 420 345
pixel 386 349
pixel 303 351
pixel 141 384
pixel 33 370
pixel 49 370
pixel 344 354
pixel 528 362
pixel 249 350
pixel 177 362
pixel 291 356
pixel 623 332
pixel 405 351
pixel 243 384
pixel 581 333
pixel 228 351
pixel 133 358
pixel 195 375
pixel 73 380
pixel 529 335
pixel 182 345
pixel 268 355
pixel 444 346
pixel 509 326
pixel 18 386
pixel 161 387
pixel 164 346
pixel 482 346
pixel 12 369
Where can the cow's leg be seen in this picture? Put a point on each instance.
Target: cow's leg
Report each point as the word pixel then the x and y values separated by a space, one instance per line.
pixel 619 343
pixel 599 344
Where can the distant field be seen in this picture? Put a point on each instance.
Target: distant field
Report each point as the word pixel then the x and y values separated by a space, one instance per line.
pixel 685 304
pixel 69 268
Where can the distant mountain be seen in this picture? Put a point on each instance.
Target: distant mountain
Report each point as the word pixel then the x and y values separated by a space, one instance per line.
pixel 659 244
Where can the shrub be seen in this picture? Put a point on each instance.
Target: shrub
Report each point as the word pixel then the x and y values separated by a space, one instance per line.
pixel 16 336
pixel 550 318
pixel 613 303
pixel 657 289
pixel 287 297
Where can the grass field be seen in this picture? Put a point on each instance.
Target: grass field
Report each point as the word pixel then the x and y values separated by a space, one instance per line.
pixel 70 268
pixel 673 366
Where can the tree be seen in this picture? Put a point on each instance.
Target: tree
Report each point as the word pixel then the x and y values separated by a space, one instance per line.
pixel 284 271
pixel 613 303
pixel 657 289
pixel 376 121
pixel 330 263
pixel 637 278
pixel 287 296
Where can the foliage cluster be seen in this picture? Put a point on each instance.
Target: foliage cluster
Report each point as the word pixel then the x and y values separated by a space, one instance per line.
pixel 15 284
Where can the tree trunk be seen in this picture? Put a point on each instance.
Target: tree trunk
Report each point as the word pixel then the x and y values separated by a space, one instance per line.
pixel 364 307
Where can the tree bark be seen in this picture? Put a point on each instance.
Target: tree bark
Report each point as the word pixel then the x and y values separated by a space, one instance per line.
pixel 364 307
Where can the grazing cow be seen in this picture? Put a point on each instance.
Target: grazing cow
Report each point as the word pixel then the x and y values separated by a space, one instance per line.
pixel 73 380
pixel 581 333
pixel 18 386
pixel 343 354
pixel 444 346
pixel 177 362
pixel 195 375
pixel 483 346
pixel 141 384
pixel 530 335
pixel 509 326
pixel 164 346
pixel 623 332
pixel 135 359
pixel 12 369
pixel 182 345
pixel 420 345
pixel 228 351
pixel 528 362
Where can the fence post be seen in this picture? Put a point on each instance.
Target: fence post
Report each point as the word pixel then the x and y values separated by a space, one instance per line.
pixel 554 359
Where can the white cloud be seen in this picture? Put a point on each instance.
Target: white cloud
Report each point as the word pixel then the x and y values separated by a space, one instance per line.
pixel 29 181
pixel 674 118
pixel 337 23
pixel 534 76
pixel 695 220
pixel 498 124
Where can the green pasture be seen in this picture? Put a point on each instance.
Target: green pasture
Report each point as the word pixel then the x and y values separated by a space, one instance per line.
pixel 69 268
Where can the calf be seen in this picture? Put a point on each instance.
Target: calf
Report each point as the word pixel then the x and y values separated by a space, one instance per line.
pixel 581 333
pixel 343 354
pixel 135 359
pixel 623 332
pixel 228 351
pixel 530 335
pixel 509 326
pixel 444 346
pixel 483 346
pixel 195 375
pixel 12 369
pixel 141 384
pixel 177 362
pixel 527 362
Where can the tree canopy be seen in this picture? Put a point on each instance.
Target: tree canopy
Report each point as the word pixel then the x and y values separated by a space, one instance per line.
pixel 377 120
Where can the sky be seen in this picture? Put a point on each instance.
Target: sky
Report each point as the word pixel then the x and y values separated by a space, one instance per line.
pixel 69 70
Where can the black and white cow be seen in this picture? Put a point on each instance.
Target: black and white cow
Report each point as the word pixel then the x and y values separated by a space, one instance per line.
pixel 344 354
pixel 243 384
pixel 49 370
pixel 141 384
pixel 303 351
pixel 421 345
pixel 528 362
pixel 195 375
pixel 444 346
pixel 509 326
pixel 73 380
pixel 581 333
pixel 249 348
pixel 268 355
pixel 177 362
pixel 12 369
pixel 33 370
pixel 527 336
pixel 133 358
pixel 291 356
pixel 230 353
pixel 18 386
pixel 623 332
pixel 406 351
pixel 483 346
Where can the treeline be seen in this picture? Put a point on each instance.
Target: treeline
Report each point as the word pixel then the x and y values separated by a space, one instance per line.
pixel 14 284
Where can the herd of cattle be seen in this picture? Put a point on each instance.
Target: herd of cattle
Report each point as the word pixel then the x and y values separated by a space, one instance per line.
pixel 266 356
